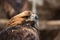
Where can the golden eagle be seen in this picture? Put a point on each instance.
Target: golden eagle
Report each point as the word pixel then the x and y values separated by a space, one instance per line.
pixel 20 27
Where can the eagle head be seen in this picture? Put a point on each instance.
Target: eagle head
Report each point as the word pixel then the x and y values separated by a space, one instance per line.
pixel 21 18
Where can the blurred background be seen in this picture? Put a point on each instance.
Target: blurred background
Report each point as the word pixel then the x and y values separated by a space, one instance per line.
pixel 47 10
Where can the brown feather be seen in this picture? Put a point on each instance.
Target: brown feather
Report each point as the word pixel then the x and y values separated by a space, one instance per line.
pixel 19 19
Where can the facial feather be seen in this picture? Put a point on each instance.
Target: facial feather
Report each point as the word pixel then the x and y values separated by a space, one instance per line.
pixel 20 18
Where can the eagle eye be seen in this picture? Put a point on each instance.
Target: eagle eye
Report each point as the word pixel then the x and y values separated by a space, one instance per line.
pixel 26 17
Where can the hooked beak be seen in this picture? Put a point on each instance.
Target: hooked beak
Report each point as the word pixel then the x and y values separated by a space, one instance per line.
pixel 33 17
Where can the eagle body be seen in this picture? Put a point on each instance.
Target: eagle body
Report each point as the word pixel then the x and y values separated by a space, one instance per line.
pixel 20 27
pixel 19 32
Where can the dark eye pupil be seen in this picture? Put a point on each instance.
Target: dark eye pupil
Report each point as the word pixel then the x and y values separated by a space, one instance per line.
pixel 26 17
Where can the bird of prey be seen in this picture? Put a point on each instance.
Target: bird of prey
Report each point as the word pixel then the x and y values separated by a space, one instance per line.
pixel 20 18
pixel 20 27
